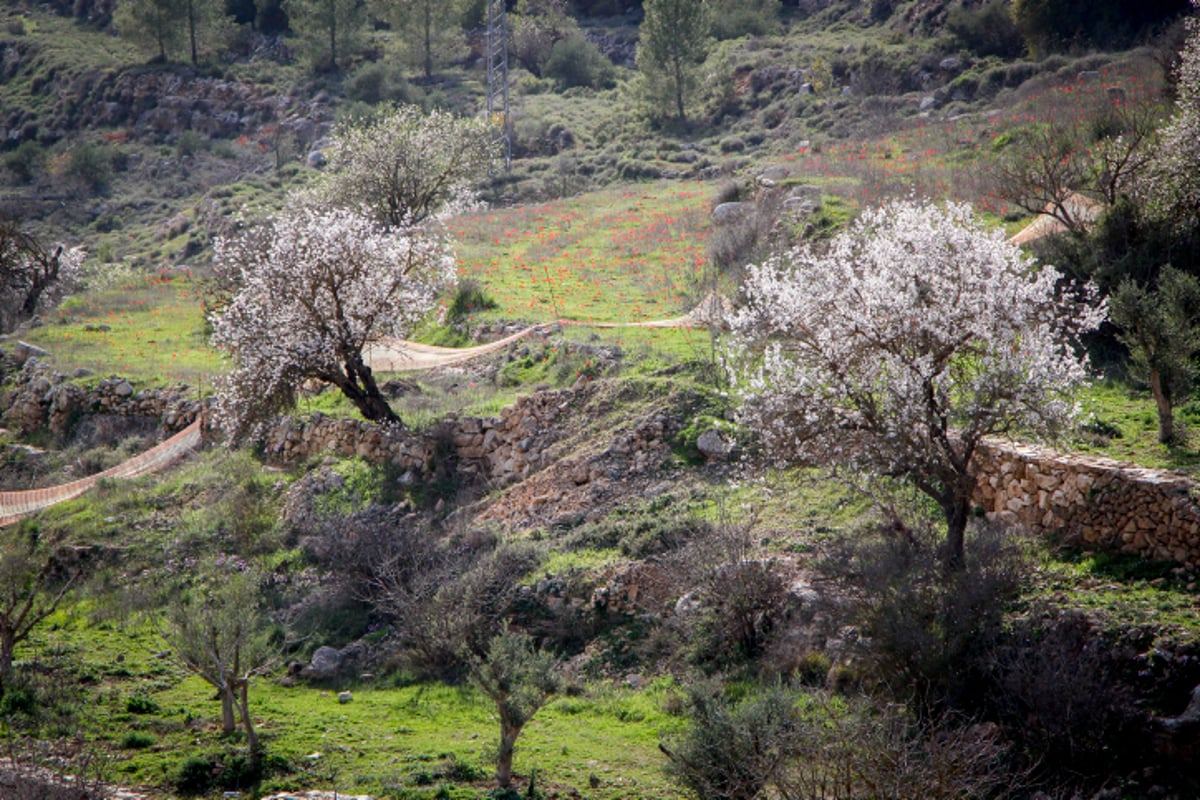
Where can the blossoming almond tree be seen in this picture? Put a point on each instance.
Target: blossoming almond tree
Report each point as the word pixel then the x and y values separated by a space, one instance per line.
pixel 1172 189
pixel 315 288
pixel 404 164
pixel 914 336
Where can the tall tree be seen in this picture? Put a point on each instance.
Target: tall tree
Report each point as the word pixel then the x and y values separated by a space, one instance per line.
pixel 1161 327
pixel 205 21
pixel 432 28
pixel 914 336
pixel 315 288
pixel 330 29
pixel 673 42
pixel 151 23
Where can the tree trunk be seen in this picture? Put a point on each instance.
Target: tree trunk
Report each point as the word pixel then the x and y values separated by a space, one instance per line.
pixel 428 11
pixel 8 646
pixel 191 12
pixel 1166 413
pixel 332 36
pixel 243 706
pixel 678 70
pixel 359 386
pixel 228 723
pixel 504 758
pixel 957 512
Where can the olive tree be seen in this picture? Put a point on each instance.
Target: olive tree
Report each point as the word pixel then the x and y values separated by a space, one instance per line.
pixel 519 678
pixel 218 632
pixel 32 584
pixel 897 350
pixel 316 287
pixel 1160 325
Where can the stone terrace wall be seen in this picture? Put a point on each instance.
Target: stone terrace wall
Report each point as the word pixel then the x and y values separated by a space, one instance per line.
pixel 43 398
pixel 501 449
pixel 1093 502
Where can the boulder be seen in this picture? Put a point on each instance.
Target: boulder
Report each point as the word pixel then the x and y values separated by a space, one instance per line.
pixel 325 663
pixel 712 445
pixel 726 213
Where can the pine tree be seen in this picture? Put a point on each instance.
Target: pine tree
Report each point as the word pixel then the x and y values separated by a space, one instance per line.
pixel 673 43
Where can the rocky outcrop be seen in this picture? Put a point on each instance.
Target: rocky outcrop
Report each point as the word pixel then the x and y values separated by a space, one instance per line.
pixel 157 104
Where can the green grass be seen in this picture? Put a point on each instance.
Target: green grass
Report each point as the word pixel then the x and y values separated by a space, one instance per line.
pixel 380 742
pixel 1121 423
pixel 149 329
pixel 620 255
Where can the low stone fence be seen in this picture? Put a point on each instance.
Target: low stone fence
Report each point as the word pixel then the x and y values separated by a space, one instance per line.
pixel 1093 502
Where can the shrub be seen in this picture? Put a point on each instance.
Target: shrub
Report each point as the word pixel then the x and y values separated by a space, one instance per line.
pixel 930 633
pixel 987 29
pixel 91 166
pixel 191 142
pixel 577 61
pixel 140 704
pixel 736 18
pixel 733 750
pixel 25 161
pixel 377 83
pixel 1057 690
pixel 137 740
pixel 196 775
pixel 854 750
pixel 470 298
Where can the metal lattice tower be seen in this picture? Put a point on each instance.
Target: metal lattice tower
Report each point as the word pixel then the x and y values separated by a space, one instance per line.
pixel 497 78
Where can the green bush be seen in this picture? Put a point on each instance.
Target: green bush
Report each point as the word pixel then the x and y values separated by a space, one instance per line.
pixel 576 61
pixel 376 83
pixel 18 700
pixel 986 29
pixel 732 19
pixel 470 298
pixel 140 704
pixel 137 740
pixel 196 776
pixel 92 166
pixel 191 142
pixel 25 161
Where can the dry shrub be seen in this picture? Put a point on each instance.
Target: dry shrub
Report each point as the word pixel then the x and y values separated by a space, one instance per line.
pixel 1058 692
pixel 858 751
pixel 928 633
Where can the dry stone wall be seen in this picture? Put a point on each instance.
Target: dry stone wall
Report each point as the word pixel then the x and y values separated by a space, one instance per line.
pixel 501 449
pixel 1093 502
pixel 45 399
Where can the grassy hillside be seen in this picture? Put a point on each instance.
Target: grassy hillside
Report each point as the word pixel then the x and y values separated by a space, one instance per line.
pixel 749 578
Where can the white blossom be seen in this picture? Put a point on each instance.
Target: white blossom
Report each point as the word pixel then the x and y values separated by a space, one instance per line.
pixel 315 288
pixel 915 335
pixel 406 164
pixel 1173 188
